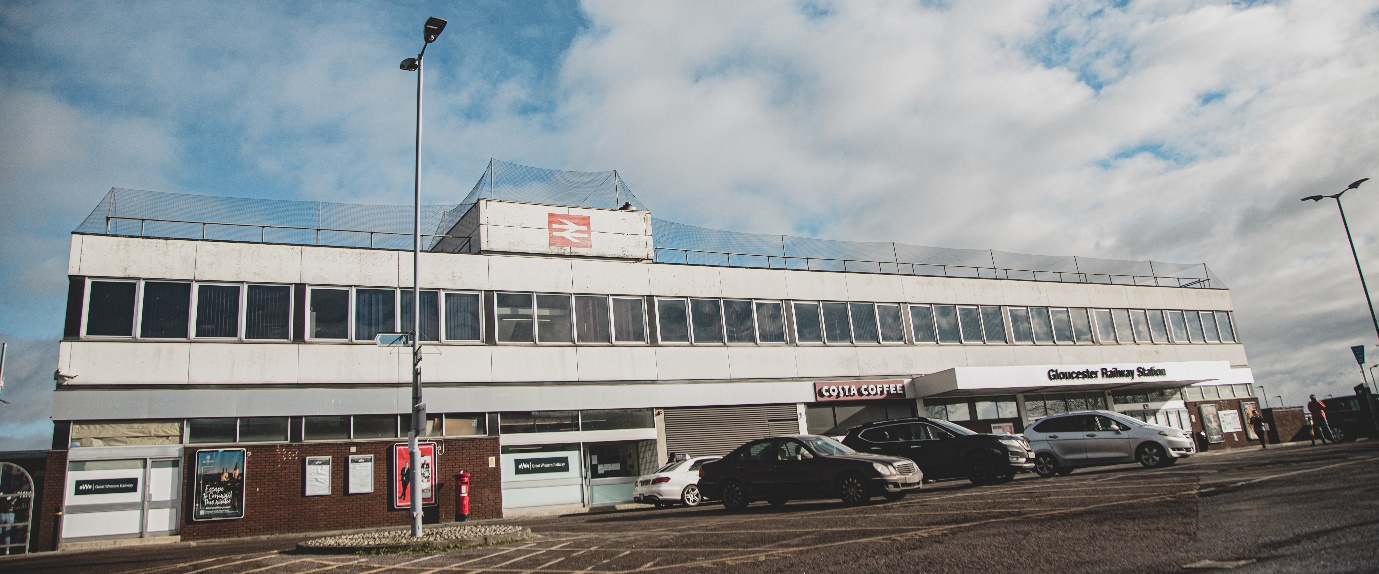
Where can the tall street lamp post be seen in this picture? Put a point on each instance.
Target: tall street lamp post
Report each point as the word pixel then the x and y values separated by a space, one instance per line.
pixel 1337 197
pixel 1263 394
pixel 430 32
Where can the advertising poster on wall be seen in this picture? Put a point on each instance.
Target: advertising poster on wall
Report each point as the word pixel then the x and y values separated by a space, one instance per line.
pixel 1211 424
pixel 1250 409
pixel 402 475
pixel 317 476
pixel 361 474
pixel 1230 421
pixel 219 493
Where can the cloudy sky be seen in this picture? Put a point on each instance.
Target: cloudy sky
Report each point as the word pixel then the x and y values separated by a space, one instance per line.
pixel 1168 130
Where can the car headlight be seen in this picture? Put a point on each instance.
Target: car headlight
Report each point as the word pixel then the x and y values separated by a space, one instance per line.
pixel 1013 443
pixel 884 469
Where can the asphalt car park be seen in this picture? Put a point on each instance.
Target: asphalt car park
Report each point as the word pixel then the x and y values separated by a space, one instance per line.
pixel 1296 509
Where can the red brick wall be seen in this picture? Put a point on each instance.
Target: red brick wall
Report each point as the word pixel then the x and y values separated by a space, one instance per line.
pixel 275 500
pixel 1233 439
pixel 53 483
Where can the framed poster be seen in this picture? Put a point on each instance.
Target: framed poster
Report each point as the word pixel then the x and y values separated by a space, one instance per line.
pixel 1230 421
pixel 1250 409
pixel 360 474
pixel 402 475
pixel 219 492
pixel 318 476
pixel 1211 424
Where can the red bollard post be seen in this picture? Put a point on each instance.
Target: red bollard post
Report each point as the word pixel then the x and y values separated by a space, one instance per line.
pixel 462 497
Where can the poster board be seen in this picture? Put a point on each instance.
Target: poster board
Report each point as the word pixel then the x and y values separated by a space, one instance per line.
pixel 401 475
pixel 317 476
pixel 1211 424
pixel 1248 410
pixel 1230 421
pixel 219 489
pixel 360 480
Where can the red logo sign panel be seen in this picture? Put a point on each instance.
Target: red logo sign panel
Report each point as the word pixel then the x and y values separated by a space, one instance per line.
pixel 569 230
pixel 859 390
pixel 402 474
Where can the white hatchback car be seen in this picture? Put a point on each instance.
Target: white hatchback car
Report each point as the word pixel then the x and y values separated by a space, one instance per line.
pixel 677 482
pixel 1093 438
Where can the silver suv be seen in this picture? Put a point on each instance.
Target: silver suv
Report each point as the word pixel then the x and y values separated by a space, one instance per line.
pixel 1093 438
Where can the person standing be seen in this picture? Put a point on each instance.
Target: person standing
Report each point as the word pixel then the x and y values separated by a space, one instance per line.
pixel 1257 423
pixel 1319 425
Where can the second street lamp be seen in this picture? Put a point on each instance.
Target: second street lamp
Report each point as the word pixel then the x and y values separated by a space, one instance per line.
pixel 1353 253
pixel 430 32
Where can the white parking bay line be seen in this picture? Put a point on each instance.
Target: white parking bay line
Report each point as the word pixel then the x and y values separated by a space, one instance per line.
pixel 591 567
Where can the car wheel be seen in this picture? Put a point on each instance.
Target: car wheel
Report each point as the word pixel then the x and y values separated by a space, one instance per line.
pixel 852 488
pixel 734 496
pixel 1004 478
pixel 690 496
pixel 1151 455
pixel 1045 464
pixel 981 469
pixel 777 501
pixel 895 496
pixel 1338 434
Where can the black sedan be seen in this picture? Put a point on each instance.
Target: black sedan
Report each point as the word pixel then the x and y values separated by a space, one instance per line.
pixel 779 469
pixel 946 450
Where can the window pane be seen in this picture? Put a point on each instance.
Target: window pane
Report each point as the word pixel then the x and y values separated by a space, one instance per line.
pixel 629 321
pixel 993 324
pixel 935 410
pixel 836 328
pixel 1139 321
pixel 330 309
pixel 263 429
pixel 1122 322
pixel 1082 325
pixel 556 421
pixel 958 411
pixel 615 419
pixel 1194 327
pixel 1043 326
pixel 110 312
pixel 268 313
pixel 673 320
pixel 1020 328
pixel 517 422
pixel 1158 329
pixel 1034 406
pixel 707 320
pixel 375 426
pixel 327 428
pixel 375 312
pixel 513 312
pixel 466 424
pixel 737 321
pixel 1062 325
pixel 217 310
pixel 892 323
pixel 167 307
pixel 986 410
pixel 591 319
pixel 1177 326
pixel 770 322
pixel 1105 330
pixel 864 323
pixel 1223 321
pixel 1005 407
pixel 200 431
pixel 971 322
pixel 808 323
pixel 553 319
pixel 462 312
pixel 1209 327
pixel 946 319
pixel 430 314
pixel 922 320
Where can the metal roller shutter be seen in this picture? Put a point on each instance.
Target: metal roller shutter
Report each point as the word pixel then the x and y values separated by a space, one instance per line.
pixel 711 431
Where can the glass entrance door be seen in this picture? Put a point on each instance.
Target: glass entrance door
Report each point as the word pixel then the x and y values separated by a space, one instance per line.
pixel 612 469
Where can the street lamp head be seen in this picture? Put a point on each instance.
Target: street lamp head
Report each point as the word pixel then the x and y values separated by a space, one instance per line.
pixel 433 29
pixel 1357 184
pixel 1313 198
pixel 410 64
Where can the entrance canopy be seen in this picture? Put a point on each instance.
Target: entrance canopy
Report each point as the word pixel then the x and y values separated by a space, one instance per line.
pixel 1056 378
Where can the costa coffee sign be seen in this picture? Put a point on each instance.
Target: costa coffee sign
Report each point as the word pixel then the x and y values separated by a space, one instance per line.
pixel 859 390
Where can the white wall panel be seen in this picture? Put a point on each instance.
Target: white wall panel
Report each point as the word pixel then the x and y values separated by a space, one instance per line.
pixel 816 286
pixel 542 274
pixel 934 358
pixel 457 363
pixel 248 262
pixel 611 277
pixel 213 363
pixel 74 255
pixel 355 363
pixel 884 361
pixel 685 280
pixel 828 362
pixel 105 256
pixel 762 362
pixel 739 283
pixel 875 287
pixel 360 267
pixel 616 363
pixel 447 271
pixel 930 290
pixel 128 362
pixel 533 363
pixel 692 363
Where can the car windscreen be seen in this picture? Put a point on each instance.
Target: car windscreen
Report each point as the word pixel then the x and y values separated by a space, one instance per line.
pixel 950 427
pixel 826 446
